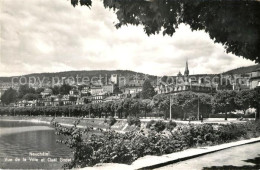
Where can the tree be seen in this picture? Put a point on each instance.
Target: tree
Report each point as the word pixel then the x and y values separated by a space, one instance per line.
pixel 205 105
pixel 25 89
pixel 39 90
pixel 243 99
pixel 30 96
pixel 224 101
pixel 64 89
pixel 255 102
pixel 235 24
pixel 161 103
pixel 117 90
pixel 55 90
pixel 146 106
pixel 147 90
pixel 9 96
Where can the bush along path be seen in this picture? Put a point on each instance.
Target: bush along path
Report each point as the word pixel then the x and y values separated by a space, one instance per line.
pixel 157 138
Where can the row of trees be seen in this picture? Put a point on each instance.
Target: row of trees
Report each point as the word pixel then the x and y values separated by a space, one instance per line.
pixel 190 104
pixel 183 105
pixel 121 108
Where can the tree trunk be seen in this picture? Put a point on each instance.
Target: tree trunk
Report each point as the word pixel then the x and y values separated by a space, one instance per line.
pixel 257 115
pixel 226 115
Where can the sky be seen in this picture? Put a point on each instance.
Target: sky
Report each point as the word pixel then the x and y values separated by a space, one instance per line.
pixel 52 36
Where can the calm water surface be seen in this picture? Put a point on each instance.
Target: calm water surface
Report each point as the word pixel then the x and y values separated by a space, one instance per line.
pixel 17 139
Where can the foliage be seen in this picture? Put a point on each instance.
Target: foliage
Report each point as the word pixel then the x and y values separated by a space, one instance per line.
pixel 111 121
pixel 171 125
pixel 222 20
pixel 9 96
pixel 25 89
pixel 147 90
pixel 64 89
pixel 31 96
pixel 112 147
pixel 158 126
pixel 224 101
pixel 243 99
pixel 184 105
pixel 133 121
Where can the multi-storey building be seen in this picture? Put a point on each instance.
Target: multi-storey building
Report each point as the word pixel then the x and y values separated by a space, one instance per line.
pixel 255 79
pixel 96 90
pixel 196 83
pixel 109 88
pixel 98 98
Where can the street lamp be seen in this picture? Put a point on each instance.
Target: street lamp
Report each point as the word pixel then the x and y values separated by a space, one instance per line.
pixel 198 108
pixel 171 105
pixel 226 110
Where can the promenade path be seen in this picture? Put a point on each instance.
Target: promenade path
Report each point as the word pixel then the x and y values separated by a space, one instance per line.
pixel 240 157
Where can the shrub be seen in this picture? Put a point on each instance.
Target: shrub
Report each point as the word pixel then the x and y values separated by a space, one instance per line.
pixel 149 124
pixel 133 121
pixel 171 125
pixel 111 121
pixel 158 126
pixel 110 146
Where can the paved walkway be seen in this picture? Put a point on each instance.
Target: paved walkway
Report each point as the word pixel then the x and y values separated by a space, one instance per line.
pixel 241 157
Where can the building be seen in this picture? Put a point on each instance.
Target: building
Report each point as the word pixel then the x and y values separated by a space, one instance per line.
pixel 114 79
pixel 131 90
pixel 254 81
pixel 185 82
pixel 46 92
pixel 84 100
pixel 109 88
pixel 96 90
pixel 74 92
pixel 112 98
pixel 98 98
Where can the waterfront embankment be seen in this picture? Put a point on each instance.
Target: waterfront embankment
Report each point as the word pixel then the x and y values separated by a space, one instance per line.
pixel 97 123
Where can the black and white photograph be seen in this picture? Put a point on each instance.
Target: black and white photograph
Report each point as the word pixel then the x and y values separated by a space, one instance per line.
pixel 130 84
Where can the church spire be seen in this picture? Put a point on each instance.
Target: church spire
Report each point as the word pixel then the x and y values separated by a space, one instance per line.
pixel 186 72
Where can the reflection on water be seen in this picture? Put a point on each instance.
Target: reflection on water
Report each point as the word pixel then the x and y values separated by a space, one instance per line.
pixel 18 145
pixel 19 124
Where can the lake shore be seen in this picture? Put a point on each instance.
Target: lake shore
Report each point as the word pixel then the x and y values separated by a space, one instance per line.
pixel 120 126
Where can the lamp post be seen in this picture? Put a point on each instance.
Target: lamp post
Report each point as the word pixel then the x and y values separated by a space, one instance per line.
pixel 257 113
pixel 198 108
pixel 170 107
pixel 226 110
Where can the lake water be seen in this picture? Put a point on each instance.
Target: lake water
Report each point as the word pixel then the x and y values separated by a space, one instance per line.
pixel 19 139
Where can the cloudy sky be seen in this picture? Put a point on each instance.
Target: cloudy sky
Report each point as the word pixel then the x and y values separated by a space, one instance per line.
pixel 52 36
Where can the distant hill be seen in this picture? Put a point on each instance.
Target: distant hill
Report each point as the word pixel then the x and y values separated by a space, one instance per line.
pixel 123 73
pixel 243 70
pixel 92 73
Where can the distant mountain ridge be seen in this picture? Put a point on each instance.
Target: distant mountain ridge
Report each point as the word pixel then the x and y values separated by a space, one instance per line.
pixel 124 73
pixel 91 73
pixel 243 70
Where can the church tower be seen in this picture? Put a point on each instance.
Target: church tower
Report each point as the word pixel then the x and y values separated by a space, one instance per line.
pixel 186 72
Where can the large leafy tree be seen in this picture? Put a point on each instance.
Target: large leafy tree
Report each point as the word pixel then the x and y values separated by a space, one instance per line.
pixel 243 99
pixel 9 96
pixel 224 101
pixel 25 89
pixel 65 89
pixel 147 90
pixel 235 24
pixel 255 102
